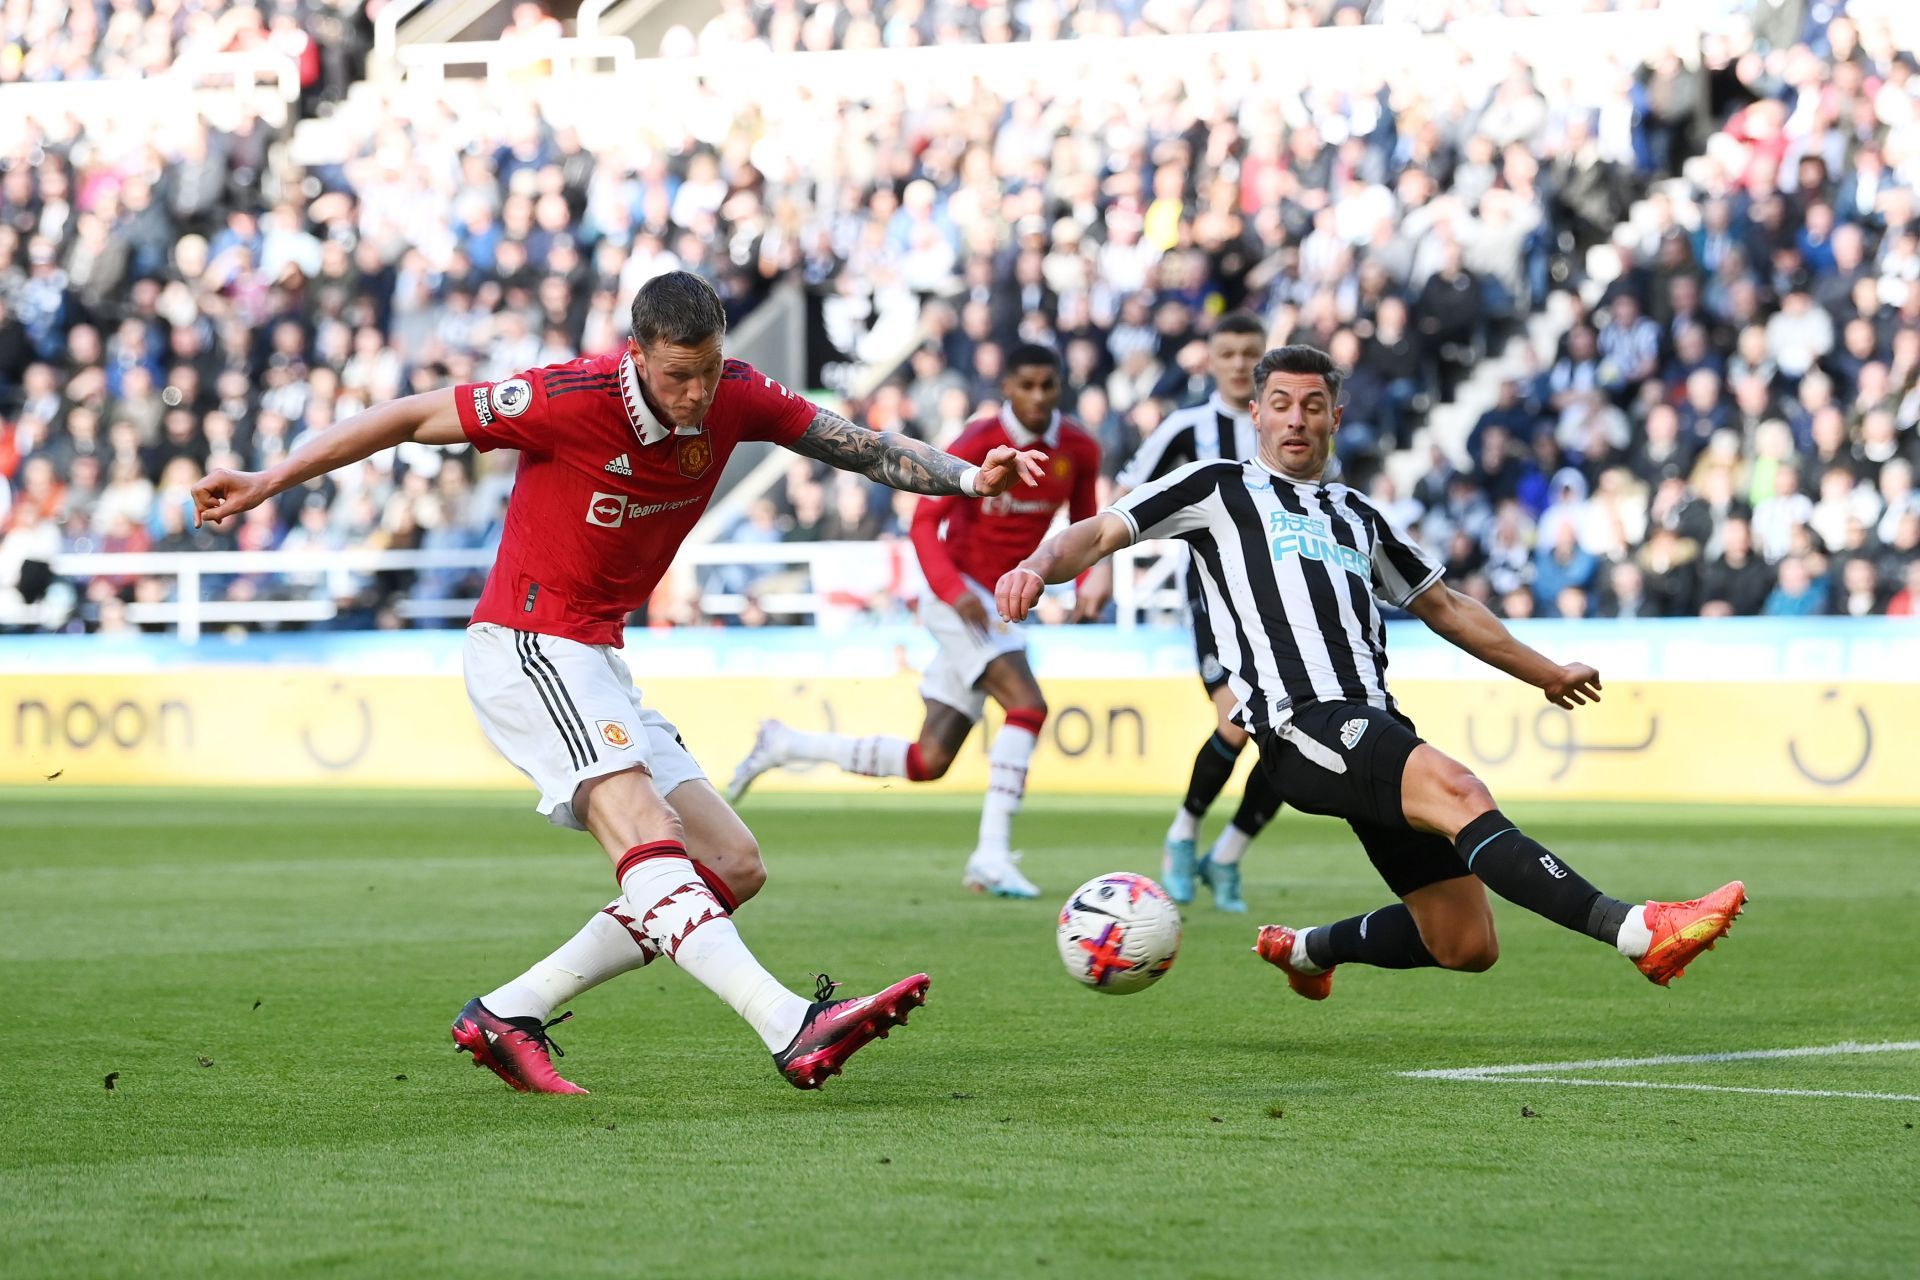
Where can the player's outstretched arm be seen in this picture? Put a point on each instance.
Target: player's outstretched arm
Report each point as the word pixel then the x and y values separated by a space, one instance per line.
pixel 1467 623
pixel 429 418
pixel 1059 559
pixel 905 463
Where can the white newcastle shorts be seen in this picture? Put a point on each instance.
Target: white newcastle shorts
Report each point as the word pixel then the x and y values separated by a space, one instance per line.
pixel 964 653
pixel 562 712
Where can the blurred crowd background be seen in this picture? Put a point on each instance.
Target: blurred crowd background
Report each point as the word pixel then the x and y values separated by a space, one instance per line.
pixel 1721 421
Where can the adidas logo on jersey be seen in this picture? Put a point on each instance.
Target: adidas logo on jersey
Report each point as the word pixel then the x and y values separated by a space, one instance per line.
pixel 620 466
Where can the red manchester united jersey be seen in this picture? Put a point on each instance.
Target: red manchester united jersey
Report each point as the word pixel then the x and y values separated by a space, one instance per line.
pixel 605 492
pixel 985 537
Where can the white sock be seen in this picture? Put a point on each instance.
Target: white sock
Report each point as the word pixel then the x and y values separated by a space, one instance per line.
pixel 1230 847
pixel 1185 826
pixel 679 915
pixel 1300 959
pixel 1006 785
pixel 605 947
pixel 1635 937
pixel 875 757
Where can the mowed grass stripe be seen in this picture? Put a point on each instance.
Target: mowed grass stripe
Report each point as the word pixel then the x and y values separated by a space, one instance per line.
pixel 1214 1125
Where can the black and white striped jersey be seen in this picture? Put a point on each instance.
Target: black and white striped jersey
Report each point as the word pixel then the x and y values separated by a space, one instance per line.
pixel 1289 572
pixel 1198 433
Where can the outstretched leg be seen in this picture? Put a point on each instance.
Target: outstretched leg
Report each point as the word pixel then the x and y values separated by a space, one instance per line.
pixel 1446 922
pixel 1441 795
pixel 1212 766
pixel 725 856
pixel 684 909
pixel 993 867
pixel 1220 868
pixel 942 733
pixel 607 946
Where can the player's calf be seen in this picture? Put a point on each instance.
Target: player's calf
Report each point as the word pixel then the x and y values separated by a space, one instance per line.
pixel 874 756
pixel 1007 761
pixel 1524 872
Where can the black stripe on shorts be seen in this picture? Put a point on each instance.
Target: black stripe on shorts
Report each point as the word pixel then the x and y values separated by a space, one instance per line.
pixel 553 694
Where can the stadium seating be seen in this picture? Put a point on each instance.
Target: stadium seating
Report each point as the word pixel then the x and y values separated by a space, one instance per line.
pixel 1727 227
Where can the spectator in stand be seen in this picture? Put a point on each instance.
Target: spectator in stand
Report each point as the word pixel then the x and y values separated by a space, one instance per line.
pixel 1797 594
pixel 448 244
pixel 1776 517
pixel 1559 565
pixel 1629 346
pixel 1624 594
pixel 1669 570
pixel 1906 601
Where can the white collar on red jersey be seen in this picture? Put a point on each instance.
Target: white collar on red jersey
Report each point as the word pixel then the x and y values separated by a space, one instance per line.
pixel 1024 438
pixel 639 415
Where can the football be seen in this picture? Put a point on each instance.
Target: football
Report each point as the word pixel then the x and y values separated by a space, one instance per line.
pixel 1119 933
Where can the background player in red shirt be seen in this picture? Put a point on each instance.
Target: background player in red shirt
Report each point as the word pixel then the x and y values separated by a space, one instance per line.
pixel 964 546
pixel 618 456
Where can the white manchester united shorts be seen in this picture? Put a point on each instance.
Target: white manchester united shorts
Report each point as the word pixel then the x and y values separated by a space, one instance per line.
pixel 563 712
pixel 964 653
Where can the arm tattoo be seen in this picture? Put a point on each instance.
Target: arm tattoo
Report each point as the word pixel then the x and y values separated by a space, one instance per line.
pixel 890 458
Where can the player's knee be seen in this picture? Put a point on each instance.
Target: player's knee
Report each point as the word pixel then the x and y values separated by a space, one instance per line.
pixel 935 759
pixel 1469 953
pixel 1466 794
pixel 1030 713
pixel 746 871
pixel 735 861
pixel 1231 734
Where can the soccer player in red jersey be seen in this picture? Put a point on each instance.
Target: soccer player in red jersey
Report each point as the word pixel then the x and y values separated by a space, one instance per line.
pixel 618 456
pixel 963 546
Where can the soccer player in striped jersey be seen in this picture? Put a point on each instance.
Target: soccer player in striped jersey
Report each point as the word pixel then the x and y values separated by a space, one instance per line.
pixel 619 455
pixel 1292 565
pixel 964 545
pixel 1221 426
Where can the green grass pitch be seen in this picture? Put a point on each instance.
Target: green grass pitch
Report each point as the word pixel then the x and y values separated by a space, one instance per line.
pixel 272 974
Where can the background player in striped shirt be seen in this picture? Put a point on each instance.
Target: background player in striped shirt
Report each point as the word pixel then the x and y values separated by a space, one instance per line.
pixel 964 544
pixel 1221 426
pixel 619 454
pixel 1291 566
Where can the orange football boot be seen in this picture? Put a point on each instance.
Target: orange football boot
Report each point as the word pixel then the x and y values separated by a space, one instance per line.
pixel 1682 930
pixel 1276 948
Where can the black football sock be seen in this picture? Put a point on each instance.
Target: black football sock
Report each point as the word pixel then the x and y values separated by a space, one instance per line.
pixel 1211 769
pixel 1260 803
pixel 1386 939
pixel 1519 869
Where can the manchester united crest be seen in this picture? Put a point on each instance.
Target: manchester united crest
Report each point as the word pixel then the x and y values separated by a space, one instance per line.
pixel 695 455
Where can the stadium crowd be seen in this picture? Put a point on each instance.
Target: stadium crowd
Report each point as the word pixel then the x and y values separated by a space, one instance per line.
pixel 1730 428
pixel 786 26
pixel 41 42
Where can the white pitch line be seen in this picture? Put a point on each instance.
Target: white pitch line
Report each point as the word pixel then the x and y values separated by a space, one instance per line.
pixel 1699 1088
pixel 1845 1047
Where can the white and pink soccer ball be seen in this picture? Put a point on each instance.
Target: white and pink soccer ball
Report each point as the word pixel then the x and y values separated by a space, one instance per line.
pixel 1119 933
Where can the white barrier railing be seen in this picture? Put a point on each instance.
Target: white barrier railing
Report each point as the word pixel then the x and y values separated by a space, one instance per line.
pixel 1581 47
pixel 191 80
pixel 1146 581
pixel 386 27
pixel 503 58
